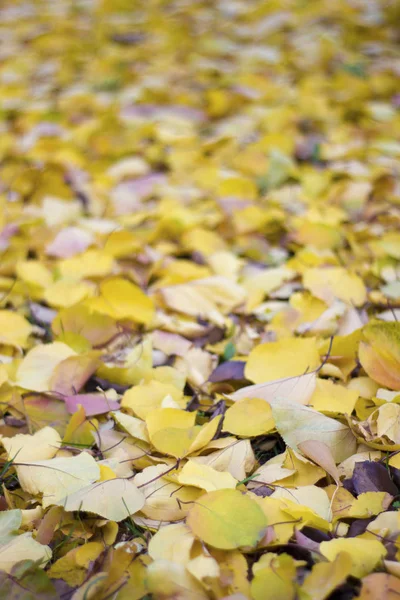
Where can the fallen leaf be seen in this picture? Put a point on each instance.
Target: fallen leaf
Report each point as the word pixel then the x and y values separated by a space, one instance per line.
pixel 38 366
pixel 121 299
pixel 364 555
pixel 298 424
pixel 227 519
pixel 249 417
pixel 286 358
pixel 325 577
pixel 298 389
pixel 57 477
pixel 32 579
pixel 379 585
pixel 114 499
pixel 205 477
pixel 379 353
pixel 321 454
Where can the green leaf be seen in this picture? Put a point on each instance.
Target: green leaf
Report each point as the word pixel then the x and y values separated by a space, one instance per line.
pixel 26 582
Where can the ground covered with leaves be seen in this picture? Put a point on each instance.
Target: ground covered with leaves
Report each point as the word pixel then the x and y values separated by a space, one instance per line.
pixel 200 293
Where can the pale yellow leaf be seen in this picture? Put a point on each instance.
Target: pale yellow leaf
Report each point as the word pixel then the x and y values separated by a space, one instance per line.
pixel 38 366
pixel 285 358
pixel 113 499
pixel 205 477
pixel 364 555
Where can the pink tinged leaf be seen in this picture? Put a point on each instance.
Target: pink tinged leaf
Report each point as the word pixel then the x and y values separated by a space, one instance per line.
pixel 297 389
pixel 42 314
pixel 154 111
pixel 268 537
pixel 321 454
pixel 171 343
pixel 232 370
pixel 230 204
pixel 49 524
pixel 43 411
pixel 306 542
pixel 94 404
pixel 127 195
pixel 6 234
pixel 68 242
pixel 72 373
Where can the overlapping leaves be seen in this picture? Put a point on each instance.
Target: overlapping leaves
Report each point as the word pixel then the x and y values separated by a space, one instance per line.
pixel 199 337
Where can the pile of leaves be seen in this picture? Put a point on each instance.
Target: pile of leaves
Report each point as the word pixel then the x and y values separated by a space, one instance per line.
pixel 200 294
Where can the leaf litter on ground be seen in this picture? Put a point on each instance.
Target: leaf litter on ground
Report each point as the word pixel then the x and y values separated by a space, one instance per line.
pixel 200 300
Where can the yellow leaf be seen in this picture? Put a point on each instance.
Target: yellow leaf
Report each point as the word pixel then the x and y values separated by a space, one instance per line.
pixel 167 580
pixel 379 353
pixel 264 282
pixel 3 375
pixel 14 329
pixel 325 577
pixel 370 503
pixel 43 444
pixel 233 577
pixel 106 473
pixel 121 243
pixel 321 454
pixel 204 568
pixel 64 293
pixel 70 375
pixel 333 398
pixel 205 477
pixel 57 477
pixel 283 525
pixel 299 389
pixel 249 417
pixel 208 298
pixel 171 430
pixel 286 358
pixel 136 366
pixel 364 555
pixel 306 473
pixel 387 422
pixel 121 299
pixel 144 398
pixel 335 282
pixel 34 273
pixel 36 369
pixel 114 499
pixel 227 454
pixel 227 519
pixel 72 567
pixel 92 263
pixel 173 543
pixel 79 431
pixel 135 427
pixel 23 547
pixel 204 435
pixel 79 319
pixel 275 581
pixel 297 424
pixel 309 504
pixel 162 495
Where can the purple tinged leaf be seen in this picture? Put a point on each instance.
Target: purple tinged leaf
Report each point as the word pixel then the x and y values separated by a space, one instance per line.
pixel 369 476
pixel 231 370
pixel 358 527
pixel 306 542
pixel 94 404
